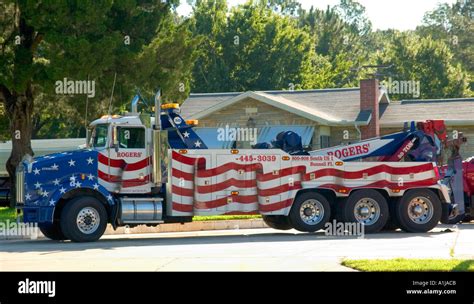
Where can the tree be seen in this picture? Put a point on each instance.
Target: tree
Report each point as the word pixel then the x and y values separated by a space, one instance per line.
pixel 338 42
pixel 258 46
pixel 46 41
pixel 453 24
pixel 429 61
pixel 284 7
pixel 168 61
pixel 264 50
pixel 209 23
pixel 353 13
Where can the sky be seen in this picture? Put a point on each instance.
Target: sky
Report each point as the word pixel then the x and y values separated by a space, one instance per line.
pixel 384 14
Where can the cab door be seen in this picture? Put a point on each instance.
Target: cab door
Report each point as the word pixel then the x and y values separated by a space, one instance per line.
pixel 130 160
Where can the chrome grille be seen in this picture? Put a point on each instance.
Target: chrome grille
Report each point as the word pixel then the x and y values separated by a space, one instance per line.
pixel 20 185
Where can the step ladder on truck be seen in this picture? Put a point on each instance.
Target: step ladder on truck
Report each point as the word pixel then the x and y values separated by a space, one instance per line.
pixel 140 170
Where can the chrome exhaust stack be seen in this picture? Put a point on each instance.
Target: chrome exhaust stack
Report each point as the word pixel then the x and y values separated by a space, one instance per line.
pixel 160 146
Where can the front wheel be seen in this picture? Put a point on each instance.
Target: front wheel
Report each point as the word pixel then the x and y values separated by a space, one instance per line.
pixel 84 219
pixel 418 210
pixel 310 212
pixel 53 231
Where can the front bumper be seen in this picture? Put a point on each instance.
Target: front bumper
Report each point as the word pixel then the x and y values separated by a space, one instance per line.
pixel 38 215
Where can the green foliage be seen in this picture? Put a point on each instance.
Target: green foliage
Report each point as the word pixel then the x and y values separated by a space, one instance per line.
pixel 7 214
pixel 453 24
pixel 141 41
pixel 428 61
pixel 260 45
pixel 353 13
pixel 253 48
pixel 263 50
pixel 167 61
pixel 225 217
pixel 210 72
pixel 337 37
pixel 411 265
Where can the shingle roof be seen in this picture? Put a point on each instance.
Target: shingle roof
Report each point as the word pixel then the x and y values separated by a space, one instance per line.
pixel 340 106
pixel 198 102
pixel 453 111
pixel 331 104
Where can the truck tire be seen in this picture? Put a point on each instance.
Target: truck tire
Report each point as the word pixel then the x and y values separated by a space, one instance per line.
pixel 310 212
pixel 367 207
pixel 84 219
pixel 53 231
pixel 279 222
pixel 392 223
pixel 419 210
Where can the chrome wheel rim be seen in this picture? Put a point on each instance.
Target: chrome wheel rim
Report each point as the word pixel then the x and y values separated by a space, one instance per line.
pixel 367 211
pixel 420 210
pixel 311 212
pixel 88 220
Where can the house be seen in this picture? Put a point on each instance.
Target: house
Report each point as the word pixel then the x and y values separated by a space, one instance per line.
pixel 323 118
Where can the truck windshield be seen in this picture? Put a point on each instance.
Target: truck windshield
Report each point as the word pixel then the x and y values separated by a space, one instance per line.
pixel 99 136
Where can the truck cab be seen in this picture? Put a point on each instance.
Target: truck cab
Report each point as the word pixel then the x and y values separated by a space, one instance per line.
pixel 124 147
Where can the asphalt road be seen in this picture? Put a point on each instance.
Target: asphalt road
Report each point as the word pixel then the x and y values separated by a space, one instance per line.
pixel 247 250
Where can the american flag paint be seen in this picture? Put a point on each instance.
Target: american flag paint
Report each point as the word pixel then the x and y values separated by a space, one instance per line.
pixel 49 178
pixel 211 182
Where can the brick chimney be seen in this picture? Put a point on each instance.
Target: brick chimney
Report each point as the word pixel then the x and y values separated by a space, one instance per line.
pixel 369 100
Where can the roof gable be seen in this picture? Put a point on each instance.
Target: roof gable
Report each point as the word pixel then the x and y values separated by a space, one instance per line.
pixel 338 107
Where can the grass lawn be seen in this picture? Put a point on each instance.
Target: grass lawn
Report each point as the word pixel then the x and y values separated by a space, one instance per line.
pixel 7 214
pixel 411 265
pixel 225 217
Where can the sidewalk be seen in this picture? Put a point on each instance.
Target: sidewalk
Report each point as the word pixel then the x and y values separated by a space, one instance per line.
pixel 192 226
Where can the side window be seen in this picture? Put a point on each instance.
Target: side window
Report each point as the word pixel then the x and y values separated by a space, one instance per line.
pixel 99 136
pixel 131 138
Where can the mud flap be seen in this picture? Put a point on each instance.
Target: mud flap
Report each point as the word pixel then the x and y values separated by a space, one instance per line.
pixel 446 211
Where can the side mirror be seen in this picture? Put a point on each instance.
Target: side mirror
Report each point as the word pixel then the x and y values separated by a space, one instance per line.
pixel 115 141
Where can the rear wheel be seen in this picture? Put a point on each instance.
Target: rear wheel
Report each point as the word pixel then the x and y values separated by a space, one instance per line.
pixel 419 210
pixel 84 219
pixel 367 207
pixel 310 212
pixel 392 223
pixel 53 231
pixel 279 222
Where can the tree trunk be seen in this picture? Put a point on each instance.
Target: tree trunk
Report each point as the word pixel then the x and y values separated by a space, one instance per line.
pixel 20 110
pixel 18 99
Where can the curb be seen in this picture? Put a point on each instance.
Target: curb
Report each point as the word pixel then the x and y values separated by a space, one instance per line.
pixel 186 227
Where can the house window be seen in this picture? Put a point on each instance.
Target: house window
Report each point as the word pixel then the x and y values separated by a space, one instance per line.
pixel 324 141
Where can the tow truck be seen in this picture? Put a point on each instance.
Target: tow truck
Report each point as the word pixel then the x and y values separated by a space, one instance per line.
pixel 140 170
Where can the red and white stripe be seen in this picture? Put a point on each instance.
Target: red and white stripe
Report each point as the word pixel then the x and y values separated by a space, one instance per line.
pixel 202 181
pixel 124 175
